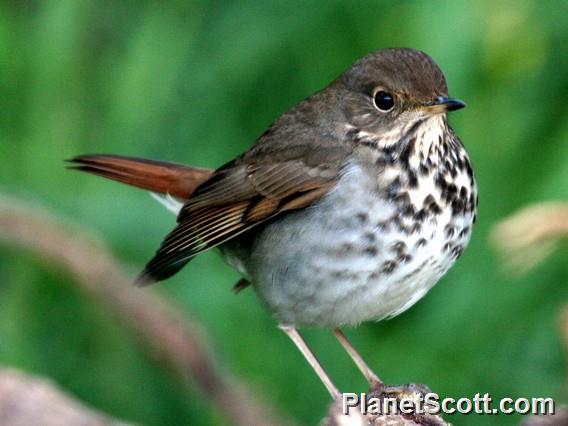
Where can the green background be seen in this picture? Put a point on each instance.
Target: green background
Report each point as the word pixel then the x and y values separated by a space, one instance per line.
pixel 197 82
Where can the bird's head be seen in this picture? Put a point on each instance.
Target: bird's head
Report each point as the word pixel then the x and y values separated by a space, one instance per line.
pixel 392 91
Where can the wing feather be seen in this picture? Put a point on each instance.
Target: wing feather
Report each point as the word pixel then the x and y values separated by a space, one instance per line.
pixel 237 199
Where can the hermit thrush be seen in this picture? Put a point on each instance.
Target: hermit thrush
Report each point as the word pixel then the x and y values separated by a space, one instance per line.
pixel 348 208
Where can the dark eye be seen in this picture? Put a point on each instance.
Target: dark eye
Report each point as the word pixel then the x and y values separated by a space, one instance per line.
pixel 383 100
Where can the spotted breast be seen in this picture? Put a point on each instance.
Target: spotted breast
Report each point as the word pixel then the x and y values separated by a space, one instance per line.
pixel 376 243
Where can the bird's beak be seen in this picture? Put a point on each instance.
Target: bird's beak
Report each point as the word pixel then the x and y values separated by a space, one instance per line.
pixel 443 104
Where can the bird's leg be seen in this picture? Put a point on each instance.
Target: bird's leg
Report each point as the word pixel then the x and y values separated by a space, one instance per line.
pixel 372 378
pixel 312 360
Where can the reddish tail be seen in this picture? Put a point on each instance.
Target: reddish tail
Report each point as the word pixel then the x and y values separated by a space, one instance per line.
pixel 156 176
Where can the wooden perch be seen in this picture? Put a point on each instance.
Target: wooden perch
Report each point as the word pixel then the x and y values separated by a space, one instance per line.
pixel 558 419
pixel 27 400
pixel 336 416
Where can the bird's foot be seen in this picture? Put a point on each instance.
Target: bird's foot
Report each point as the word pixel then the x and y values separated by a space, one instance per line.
pixel 384 405
pixel 381 389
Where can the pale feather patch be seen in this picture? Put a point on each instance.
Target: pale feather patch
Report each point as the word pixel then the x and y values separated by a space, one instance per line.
pixel 169 202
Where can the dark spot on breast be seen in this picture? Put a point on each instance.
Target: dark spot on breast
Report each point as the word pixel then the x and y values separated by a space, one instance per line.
pixel 448 191
pixel 420 215
pixel 471 203
pixel 387 157
pixel 389 266
pixel 408 210
pixel 403 198
pixel 404 258
pixel 423 170
pixel 457 251
pixel 458 206
pixel 398 222
pixel 370 237
pixel 384 226
pixel 416 227
pixel 381 162
pixel 439 180
pixel 429 199
pixel 447 247
pixel 421 242
pixel 469 171
pixel 431 205
pixel 449 231
pixel 396 219
pixel 412 179
pixel 464 232
pixel 398 247
pixel 371 251
pixel 435 209
pixel 393 187
pixel 406 153
pixel 362 218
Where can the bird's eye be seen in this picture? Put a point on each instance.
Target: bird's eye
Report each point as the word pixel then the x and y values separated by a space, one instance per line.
pixel 384 101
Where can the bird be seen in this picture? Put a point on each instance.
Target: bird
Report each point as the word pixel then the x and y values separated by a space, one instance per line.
pixel 347 209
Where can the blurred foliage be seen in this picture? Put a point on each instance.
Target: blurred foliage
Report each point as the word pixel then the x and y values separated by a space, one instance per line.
pixel 196 82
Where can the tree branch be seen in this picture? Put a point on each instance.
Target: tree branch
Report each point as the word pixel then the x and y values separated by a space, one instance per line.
pixel 179 342
pixel 28 400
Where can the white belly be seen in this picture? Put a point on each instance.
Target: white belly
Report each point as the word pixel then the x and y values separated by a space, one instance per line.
pixel 345 260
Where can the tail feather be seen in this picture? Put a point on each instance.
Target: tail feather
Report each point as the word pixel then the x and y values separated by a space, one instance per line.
pixel 145 278
pixel 157 176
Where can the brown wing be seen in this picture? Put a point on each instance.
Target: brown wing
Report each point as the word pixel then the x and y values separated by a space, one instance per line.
pixel 234 200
